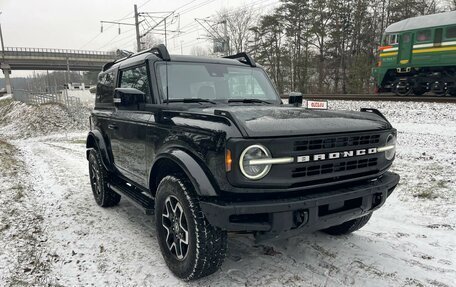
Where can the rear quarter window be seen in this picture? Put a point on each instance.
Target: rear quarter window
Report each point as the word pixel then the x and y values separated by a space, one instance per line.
pixel 105 88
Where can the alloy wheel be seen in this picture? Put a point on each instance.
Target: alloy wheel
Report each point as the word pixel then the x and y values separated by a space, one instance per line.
pixel 174 222
pixel 95 177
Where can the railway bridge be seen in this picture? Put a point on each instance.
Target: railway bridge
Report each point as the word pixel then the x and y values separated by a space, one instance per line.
pixel 51 59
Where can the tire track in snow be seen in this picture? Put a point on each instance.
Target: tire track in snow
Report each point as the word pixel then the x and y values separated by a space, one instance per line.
pixel 117 246
pixel 94 245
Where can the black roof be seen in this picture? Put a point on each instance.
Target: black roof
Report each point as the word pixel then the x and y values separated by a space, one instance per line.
pixel 158 54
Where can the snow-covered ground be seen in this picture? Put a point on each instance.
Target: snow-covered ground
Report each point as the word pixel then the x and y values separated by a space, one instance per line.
pixel 52 232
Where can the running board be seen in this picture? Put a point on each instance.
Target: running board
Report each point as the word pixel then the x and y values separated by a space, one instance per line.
pixel 138 199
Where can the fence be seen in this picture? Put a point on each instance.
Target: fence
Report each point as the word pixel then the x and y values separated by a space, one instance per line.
pixel 37 52
pixel 40 98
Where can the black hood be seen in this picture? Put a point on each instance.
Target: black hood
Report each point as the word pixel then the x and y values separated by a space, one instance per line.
pixel 271 121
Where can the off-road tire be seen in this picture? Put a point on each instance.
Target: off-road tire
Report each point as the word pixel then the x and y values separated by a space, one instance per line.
pixel 207 244
pixel 348 226
pixel 103 195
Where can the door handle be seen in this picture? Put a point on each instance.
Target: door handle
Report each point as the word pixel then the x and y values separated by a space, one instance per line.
pixel 113 127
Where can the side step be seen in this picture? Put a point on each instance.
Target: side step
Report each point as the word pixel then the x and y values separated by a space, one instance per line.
pixel 137 198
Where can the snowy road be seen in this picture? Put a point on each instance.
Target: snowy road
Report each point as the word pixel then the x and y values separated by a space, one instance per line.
pixel 409 242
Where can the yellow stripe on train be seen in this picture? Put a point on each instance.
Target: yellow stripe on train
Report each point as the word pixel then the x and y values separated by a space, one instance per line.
pixel 419 51
pixel 437 49
pixel 388 54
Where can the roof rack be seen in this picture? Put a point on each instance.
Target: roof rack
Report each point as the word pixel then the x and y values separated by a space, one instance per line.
pixel 159 51
pixel 243 57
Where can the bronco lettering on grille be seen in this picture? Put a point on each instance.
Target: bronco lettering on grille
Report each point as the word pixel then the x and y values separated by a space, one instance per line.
pixel 336 155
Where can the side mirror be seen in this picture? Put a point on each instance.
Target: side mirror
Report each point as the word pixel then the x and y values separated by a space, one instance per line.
pixel 295 99
pixel 128 98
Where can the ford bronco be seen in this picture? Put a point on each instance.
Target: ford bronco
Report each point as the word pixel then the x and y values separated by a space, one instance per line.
pixel 208 147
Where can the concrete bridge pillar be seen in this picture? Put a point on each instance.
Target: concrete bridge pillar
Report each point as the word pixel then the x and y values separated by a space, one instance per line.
pixel 7 71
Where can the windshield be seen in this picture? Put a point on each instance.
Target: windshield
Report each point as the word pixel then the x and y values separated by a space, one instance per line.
pixel 214 82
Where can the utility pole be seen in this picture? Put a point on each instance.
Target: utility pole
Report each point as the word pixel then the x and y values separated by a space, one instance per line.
pixel 68 71
pixel 214 33
pixel 5 67
pixel 226 39
pixel 157 21
pixel 166 40
pixel 138 37
pixel 3 46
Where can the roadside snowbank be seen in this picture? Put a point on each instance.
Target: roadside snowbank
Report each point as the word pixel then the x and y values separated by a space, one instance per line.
pixel 6 97
pixel 19 120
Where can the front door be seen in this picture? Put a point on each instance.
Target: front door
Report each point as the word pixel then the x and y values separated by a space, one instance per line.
pixel 405 49
pixel 128 128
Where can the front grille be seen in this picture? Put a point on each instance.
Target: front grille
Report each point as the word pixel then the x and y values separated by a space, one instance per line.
pixel 325 159
pixel 338 169
pixel 336 142
pixel 329 168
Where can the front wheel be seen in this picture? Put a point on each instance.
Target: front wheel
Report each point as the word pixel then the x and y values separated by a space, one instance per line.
pixel 348 226
pixel 191 247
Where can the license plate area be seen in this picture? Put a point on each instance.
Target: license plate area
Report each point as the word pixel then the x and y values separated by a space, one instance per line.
pixel 331 208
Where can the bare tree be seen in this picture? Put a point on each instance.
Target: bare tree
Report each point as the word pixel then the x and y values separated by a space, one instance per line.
pixel 149 41
pixel 236 26
pixel 199 51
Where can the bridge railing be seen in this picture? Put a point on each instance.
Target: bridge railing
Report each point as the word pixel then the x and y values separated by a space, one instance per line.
pixel 20 51
pixel 40 98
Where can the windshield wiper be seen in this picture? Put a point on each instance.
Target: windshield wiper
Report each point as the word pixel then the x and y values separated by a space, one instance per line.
pixel 249 101
pixel 189 100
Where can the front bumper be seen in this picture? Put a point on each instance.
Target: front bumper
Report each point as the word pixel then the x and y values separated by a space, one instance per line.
pixel 307 213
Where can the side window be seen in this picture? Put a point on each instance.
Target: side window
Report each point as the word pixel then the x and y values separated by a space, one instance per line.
pixel 393 39
pixel 136 78
pixel 105 88
pixel 451 32
pixel 423 36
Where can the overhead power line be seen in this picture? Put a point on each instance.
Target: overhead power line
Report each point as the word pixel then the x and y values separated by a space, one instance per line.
pixel 126 16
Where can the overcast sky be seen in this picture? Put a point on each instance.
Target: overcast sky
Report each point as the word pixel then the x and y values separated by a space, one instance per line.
pixel 75 24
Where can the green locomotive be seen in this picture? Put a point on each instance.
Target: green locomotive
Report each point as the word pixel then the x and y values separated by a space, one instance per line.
pixel 418 55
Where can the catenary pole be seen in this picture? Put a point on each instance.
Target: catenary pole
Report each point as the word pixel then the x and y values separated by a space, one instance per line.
pixel 138 36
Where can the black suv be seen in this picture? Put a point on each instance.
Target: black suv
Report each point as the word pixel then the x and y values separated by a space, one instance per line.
pixel 207 145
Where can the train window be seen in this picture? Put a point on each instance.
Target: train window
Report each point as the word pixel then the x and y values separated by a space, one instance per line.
pixel 451 32
pixel 423 36
pixel 393 39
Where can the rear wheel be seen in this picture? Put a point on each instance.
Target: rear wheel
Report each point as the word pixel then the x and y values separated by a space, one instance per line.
pixel 99 177
pixel 191 247
pixel 348 226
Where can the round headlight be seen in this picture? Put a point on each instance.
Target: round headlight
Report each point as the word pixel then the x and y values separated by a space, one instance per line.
pixel 251 169
pixel 391 144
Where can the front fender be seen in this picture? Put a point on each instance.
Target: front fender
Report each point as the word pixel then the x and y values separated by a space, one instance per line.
pixel 95 140
pixel 194 171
